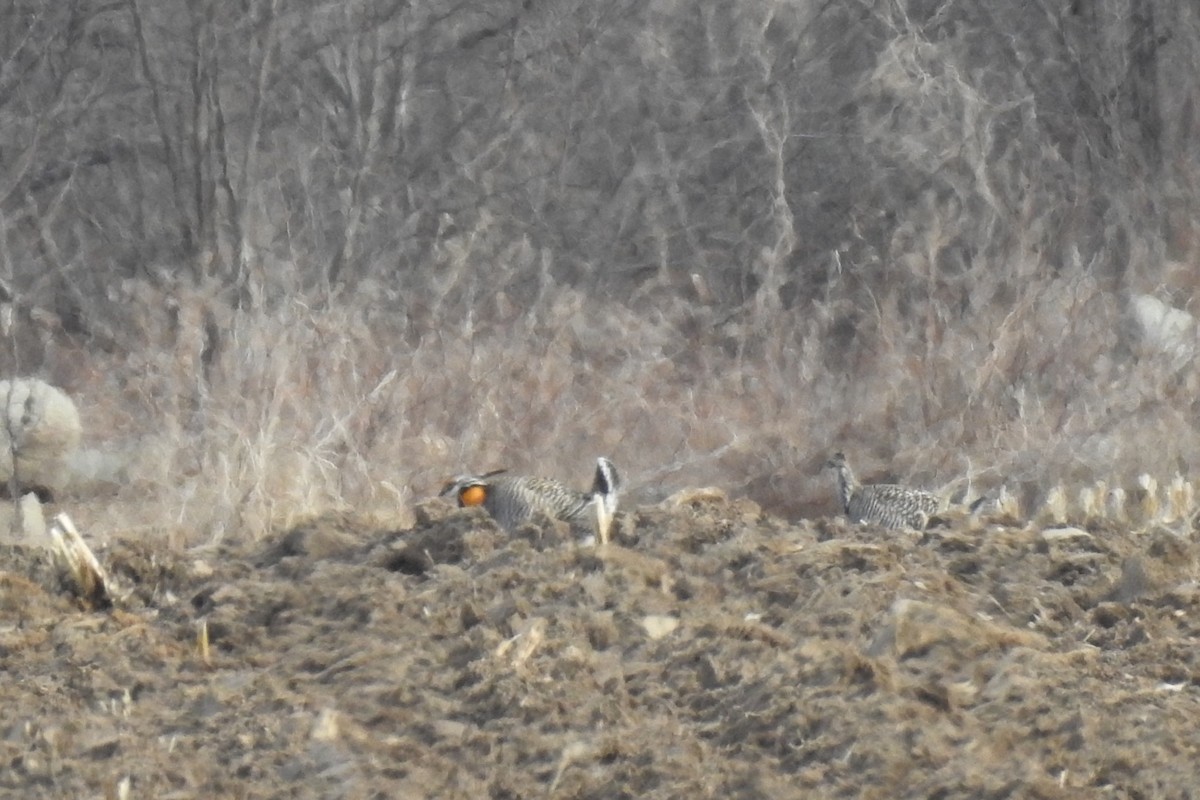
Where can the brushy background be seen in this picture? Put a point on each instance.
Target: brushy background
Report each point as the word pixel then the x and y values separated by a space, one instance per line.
pixel 294 256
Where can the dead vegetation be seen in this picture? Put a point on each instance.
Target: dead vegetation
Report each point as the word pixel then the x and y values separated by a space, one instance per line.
pixel 955 241
pixel 942 243
pixel 80 567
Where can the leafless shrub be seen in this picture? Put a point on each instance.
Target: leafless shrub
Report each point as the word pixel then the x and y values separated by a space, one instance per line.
pixel 297 261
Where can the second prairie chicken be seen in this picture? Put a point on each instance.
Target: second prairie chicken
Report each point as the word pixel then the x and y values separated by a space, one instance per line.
pixel 512 500
pixel 885 504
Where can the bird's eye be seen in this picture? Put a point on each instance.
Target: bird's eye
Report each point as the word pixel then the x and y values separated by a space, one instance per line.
pixel 472 496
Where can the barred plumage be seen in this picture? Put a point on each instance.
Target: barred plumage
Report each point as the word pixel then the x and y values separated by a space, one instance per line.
pixel 884 504
pixel 513 500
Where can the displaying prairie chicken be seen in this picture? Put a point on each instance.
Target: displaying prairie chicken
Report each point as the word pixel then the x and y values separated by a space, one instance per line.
pixel 513 499
pixel 885 504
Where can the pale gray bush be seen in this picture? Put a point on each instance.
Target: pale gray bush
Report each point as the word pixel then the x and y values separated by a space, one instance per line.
pixel 39 433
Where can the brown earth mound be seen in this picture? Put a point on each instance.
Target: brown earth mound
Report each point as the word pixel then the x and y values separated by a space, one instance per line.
pixel 710 652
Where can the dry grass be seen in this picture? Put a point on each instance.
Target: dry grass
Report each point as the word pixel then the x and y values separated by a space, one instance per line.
pixel 306 408
pixel 952 298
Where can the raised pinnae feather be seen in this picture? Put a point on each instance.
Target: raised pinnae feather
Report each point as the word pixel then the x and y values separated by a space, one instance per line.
pixel 513 500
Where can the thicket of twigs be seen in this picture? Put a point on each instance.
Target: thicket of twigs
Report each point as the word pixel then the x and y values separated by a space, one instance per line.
pixel 290 256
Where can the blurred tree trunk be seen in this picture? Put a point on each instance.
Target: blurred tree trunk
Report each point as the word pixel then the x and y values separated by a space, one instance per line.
pixel 1142 80
pixel 187 219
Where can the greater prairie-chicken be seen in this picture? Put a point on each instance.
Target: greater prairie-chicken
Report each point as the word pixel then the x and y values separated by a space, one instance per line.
pixel 513 499
pixel 885 504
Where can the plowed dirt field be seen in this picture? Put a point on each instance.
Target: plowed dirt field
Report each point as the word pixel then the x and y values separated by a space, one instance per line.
pixel 711 651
